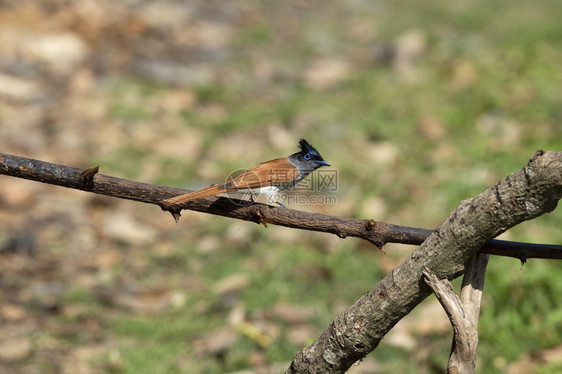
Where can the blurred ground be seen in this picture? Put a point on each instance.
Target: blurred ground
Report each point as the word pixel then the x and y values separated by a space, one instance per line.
pixel 417 107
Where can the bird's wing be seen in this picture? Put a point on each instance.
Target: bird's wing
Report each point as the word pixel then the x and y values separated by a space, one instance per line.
pixel 270 173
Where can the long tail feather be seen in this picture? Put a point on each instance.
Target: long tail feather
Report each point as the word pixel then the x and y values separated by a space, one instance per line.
pixel 199 194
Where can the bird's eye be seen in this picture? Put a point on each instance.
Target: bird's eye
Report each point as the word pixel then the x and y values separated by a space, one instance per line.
pixel 307 156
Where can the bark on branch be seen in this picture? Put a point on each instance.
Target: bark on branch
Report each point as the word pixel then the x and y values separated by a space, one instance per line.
pixel 524 195
pixel 377 233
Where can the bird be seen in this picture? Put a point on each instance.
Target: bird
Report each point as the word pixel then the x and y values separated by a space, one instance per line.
pixel 267 178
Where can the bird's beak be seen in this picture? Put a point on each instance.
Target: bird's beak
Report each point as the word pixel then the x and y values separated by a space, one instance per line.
pixel 322 163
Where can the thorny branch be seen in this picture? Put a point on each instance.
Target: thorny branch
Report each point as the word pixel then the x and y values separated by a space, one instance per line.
pixel 377 233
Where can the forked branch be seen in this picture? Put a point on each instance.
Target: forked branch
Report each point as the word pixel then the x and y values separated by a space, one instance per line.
pixel 524 195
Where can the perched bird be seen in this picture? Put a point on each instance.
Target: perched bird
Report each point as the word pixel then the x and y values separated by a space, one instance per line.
pixel 267 178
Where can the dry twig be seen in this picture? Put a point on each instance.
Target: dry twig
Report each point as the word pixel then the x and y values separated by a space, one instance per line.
pixel 463 312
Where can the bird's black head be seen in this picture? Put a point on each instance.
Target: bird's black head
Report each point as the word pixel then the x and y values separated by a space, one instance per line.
pixel 309 155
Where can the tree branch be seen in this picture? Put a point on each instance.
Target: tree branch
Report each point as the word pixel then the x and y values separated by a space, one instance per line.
pixel 465 335
pixel 463 312
pixel 377 233
pixel 524 195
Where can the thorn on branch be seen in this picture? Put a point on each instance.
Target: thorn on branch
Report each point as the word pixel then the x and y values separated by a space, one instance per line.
pixel 88 176
pixel 176 215
pixel 261 218
pixel 90 172
pixel 370 225
pixel 377 242
pixel 172 208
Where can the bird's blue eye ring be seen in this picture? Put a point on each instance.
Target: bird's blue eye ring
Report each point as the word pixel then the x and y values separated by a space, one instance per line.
pixel 307 156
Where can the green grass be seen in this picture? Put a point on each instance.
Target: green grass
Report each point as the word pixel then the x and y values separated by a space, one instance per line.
pixel 282 275
pixel 491 126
